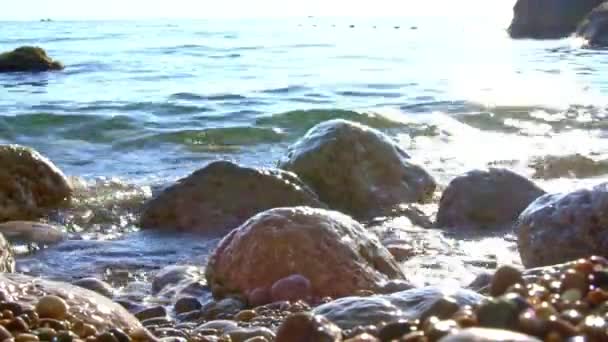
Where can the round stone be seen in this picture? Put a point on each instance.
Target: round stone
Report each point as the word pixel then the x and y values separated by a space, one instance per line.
pixel 505 277
pixel 52 307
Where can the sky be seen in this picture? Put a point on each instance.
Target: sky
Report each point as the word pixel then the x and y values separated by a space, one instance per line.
pixel 135 9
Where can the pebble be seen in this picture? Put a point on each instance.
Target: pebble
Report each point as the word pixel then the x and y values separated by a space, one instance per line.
pixel 52 307
pixel 505 277
pixel 187 304
pixel 153 312
pixel 96 285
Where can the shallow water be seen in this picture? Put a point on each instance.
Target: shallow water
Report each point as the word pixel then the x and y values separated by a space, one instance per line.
pixel 142 103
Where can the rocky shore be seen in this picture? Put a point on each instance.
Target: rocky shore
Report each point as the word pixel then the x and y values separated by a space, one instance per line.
pixel 303 256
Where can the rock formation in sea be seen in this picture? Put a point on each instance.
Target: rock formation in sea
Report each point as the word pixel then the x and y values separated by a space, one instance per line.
pixel 357 170
pixel 485 199
pixel 594 28
pixel 27 58
pixel 223 195
pixel 546 19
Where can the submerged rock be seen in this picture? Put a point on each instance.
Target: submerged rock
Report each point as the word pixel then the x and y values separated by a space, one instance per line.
pixel 32 232
pixel 594 28
pixel 485 199
pixel 177 281
pixel 27 58
pixel 357 170
pixel 331 250
pixel 488 335
pixel 221 196
pixel 350 312
pixel 30 184
pixel 7 258
pixel 83 305
pixel 573 165
pixel 547 19
pixel 560 227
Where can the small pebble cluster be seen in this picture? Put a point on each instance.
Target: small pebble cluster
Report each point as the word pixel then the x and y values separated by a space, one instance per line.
pixel 568 303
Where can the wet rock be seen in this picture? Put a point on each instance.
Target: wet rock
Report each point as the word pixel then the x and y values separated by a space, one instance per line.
pixel 32 232
pixel 292 288
pixel 548 19
pixel 30 185
pixel 176 280
pixel 225 308
pixel 594 31
pixel 573 166
pixel 393 286
pixel 306 327
pixel 27 58
pixel 244 334
pixel 505 277
pixel 557 228
pixel 96 285
pixel 350 312
pixel 334 252
pixel 223 195
pixel 357 170
pixel 488 335
pixel 7 257
pixel 52 307
pixel 84 305
pixel 187 304
pixel 153 312
pixel 485 199
pixel 221 326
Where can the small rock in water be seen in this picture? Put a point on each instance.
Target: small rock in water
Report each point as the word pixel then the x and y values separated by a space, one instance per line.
pixel 292 288
pixel 153 312
pixel 52 307
pixel 96 285
pixel 27 59
pixel 187 304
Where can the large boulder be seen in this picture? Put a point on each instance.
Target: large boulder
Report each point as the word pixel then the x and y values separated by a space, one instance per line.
pixel 594 28
pixel 7 258
pixel 356 169
pixel 334 252
pixel 83 304
pixel 32 232
pixel 27 58
pixel 560 227
pixel 30 184
pixel 485 199
pixel 420 303
pixel 221 196
pixel 546 19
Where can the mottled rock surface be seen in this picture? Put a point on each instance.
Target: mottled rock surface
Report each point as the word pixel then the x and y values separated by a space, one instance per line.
pixel 30 184
pixel 27 58
pixel 571 166
pixel 485 199
pixel 83 304
pixel 350 312
pixel 547 19
pixel 560 227
pixel 221 196
pixel 334 252
pixel 357 170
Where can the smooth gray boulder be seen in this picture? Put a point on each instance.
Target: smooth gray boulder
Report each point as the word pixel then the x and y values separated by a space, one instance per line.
pixel 223 195
pixel 560 227
pixel 357 170
pixel 485 199
pixel 548 19
pixel 350 312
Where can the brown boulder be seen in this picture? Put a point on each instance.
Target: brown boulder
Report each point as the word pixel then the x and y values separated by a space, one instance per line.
pixel 30 185
pixel 221 196
pixel 485 199
pixel 334 252
pixel 561 227
pixel 357 170
pixel 27 58
pixel 547 19
pixel 84 305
